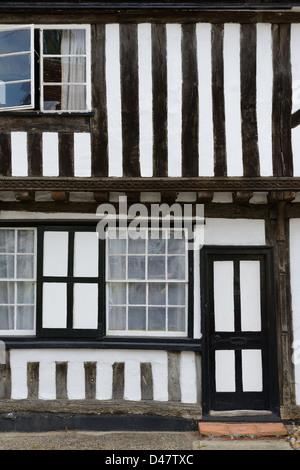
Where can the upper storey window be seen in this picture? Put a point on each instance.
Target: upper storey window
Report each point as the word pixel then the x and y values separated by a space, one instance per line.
pixel 45 68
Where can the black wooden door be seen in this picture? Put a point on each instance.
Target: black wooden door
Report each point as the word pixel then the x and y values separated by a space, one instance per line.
pixel 239 332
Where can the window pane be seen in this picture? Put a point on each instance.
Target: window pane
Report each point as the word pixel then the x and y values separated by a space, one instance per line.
pixel 25 267
pixel 136 246
pixel 136 267
pixel 157 294
pixel 7 292
pixel 176 294
pixel 116 245
pixel 7 241
pixel 116 267
pixel 117 318
pixel 25 316
pixel 156 318
pixel 25 292
pixel 137 318
pixel 156 246
pixel 16 94
pixel 7 266
pixel 70 41
pixel 176 267
pixel 25 241
pixel 66 97
pixel 117 293
pixel 137 293
pixel 6 318
pixel 15 67
pixel 176 243
pixel 17 40
pixel 156 267
pixel 176 319
pixel 55 69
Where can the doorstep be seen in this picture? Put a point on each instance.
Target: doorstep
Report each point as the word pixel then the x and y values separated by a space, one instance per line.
pixel 242 429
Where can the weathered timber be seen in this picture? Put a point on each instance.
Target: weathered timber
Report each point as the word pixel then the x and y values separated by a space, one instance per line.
pixel 220 159
pixel 118 380
pixel 33 380
pixel 99 133
pixel 5 154
pixel 129 99
pixel 35 152
pixel 159 84
pixel 174 388
pixel 90 370
pixel 282 102
pixel 190 101
pixel 66 154
pixel 146 381
pixel 61 380
pixel 248 100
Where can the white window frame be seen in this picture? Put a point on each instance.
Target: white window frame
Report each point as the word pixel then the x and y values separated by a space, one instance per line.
pixel 15 331
pixel 31 52
pixel 87 55
pixel 146 333
pixel 87 84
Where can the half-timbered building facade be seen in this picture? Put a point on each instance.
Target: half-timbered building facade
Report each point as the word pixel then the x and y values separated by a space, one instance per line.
pixel 142 110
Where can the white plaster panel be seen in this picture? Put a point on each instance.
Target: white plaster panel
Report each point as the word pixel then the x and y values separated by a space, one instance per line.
pixel 264 97
pixel 19 163
pixel 145 98
pixel 54 305
pixel 85 313
pixel 234 232
pixel 50 154
pixel 82 154
pixel 86 254
pixel 188 377
pixel 232 92
pixel 174 90
pixel 55 253
pixel 206 137
pixel 113 91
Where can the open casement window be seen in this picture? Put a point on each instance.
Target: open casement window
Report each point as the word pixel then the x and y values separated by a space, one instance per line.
pixel 70 281
pixel 59 61
pixel 16 67
pixel 147 283
pixel 65 68
pixel 17 281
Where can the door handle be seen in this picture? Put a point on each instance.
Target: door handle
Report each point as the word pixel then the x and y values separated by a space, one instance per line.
pixel 238 341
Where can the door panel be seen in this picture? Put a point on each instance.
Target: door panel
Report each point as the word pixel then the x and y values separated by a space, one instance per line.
pixel 239 335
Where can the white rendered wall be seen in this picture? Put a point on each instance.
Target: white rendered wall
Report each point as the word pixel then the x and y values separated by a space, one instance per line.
pixel 105 360
pixel 295 292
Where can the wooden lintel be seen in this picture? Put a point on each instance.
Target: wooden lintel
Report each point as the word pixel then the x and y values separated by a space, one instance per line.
pixel 242 196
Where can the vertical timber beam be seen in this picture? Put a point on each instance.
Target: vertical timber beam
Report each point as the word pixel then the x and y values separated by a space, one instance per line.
pixel 277 235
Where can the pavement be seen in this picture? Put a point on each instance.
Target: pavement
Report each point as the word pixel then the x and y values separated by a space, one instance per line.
pixel 184 443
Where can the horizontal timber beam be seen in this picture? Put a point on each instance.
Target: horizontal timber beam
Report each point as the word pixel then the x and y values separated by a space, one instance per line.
pixel 219 184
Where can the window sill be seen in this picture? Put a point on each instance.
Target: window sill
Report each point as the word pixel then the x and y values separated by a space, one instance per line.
pixel 171 344
pixel 47 114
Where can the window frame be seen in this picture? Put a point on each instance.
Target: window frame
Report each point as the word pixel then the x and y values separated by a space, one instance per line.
pixel 32 65
pixel 37 101
pixel 189 285
pixel 21 332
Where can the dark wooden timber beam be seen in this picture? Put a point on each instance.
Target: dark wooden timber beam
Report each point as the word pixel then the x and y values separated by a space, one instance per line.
pixel 197 184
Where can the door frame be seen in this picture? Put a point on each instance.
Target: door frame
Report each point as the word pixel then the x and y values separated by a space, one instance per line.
pixel 268 329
